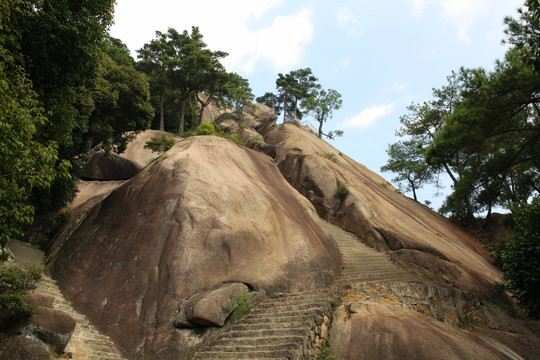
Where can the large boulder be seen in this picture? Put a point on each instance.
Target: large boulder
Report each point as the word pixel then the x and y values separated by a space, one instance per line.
pixel 23 348
pixel 362 202
pixel 379 331
pixel 254 116
pixel 208 213
pixel 53 327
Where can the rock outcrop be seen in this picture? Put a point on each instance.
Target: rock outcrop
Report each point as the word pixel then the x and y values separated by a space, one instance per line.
pixel 137 153
pixel 157 262
pixel 415 236
pixel 380 331
pixel 208 212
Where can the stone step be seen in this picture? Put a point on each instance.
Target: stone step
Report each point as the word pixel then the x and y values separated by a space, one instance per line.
pixel 86 343
pixel 288 307
pixel 259 343
pixel 252 355
pixel 259 326
pixel 383 271
pixel 257 333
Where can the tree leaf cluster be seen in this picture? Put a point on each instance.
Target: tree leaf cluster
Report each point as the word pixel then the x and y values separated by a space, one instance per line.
pixel 182 70
pixel 65 86
pixel 521 257
pixel 299 93
pixel 482 130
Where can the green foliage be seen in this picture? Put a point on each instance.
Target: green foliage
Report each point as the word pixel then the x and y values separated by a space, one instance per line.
pixel 406 159
pixel 240 309
pixel 330 156
pixel 122 107
pixel 237 139
pixel 342 191
pixel 14 284
pixel 206 129
pixel 321 104
pixel 497 298
pixel 521 257
pixel 325 352
pixel 160 144
pixel 482 128
pixel 524 33
pixel 272 101
pixel 25 163
pixel 59 46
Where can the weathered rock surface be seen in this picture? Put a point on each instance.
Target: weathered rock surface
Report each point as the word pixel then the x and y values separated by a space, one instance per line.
pixel 135 151
pixel 256 117
pixel 416 236
pixel 378 331
pixel 53 327
pixel 210 212
pixel 23 348
pixel 104 167
pixel 213 307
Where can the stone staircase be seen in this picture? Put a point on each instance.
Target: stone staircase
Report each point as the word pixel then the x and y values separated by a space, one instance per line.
pixel 279 328
pixel 86 343
pixel 362 263
pixel 284 327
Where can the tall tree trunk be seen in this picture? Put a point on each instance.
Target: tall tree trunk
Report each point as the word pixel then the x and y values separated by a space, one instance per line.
pixel 182 112
pixel 203 104
pixel 414 192
pixel 161 119
pixel 294 109
pixel 320 128
pixel 284 108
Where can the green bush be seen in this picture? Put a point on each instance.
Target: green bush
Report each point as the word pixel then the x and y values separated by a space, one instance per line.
pixel 325 352
pixel 342 191
pixel 330 156
pixel 160 144
pixel 237 139
pixel 521 257
pixel 14 284
pixel 242 308
pixel 206 129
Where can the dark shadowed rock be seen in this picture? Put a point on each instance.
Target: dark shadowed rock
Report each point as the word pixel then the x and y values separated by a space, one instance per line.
pixel 376 212
pixel 51 326
pixel 108 167
pixel 377 331
pixel 23 348
pixel 207 212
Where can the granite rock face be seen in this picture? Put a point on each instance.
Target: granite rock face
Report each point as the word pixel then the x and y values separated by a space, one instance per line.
pixel 414 235
pixel 208 212
pixel 381 331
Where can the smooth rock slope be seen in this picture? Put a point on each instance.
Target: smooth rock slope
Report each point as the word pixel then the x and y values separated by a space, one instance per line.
pixel 207 212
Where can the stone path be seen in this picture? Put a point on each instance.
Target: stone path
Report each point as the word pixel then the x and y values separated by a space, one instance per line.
pixel 362 263
pixel 86 343
pixel 279 328
pixel 283 327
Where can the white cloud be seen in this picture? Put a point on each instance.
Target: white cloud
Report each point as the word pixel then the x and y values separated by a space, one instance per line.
pixel 243 28
pixel 369 116
pixel 344 64
pixel 347 21
pixel 398 86
pixel 464 13
pixel 418 7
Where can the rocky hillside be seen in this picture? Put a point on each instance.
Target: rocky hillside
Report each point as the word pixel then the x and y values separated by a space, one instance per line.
pixel 159 262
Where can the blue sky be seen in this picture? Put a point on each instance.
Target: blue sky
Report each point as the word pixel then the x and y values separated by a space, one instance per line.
pixel 380 55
